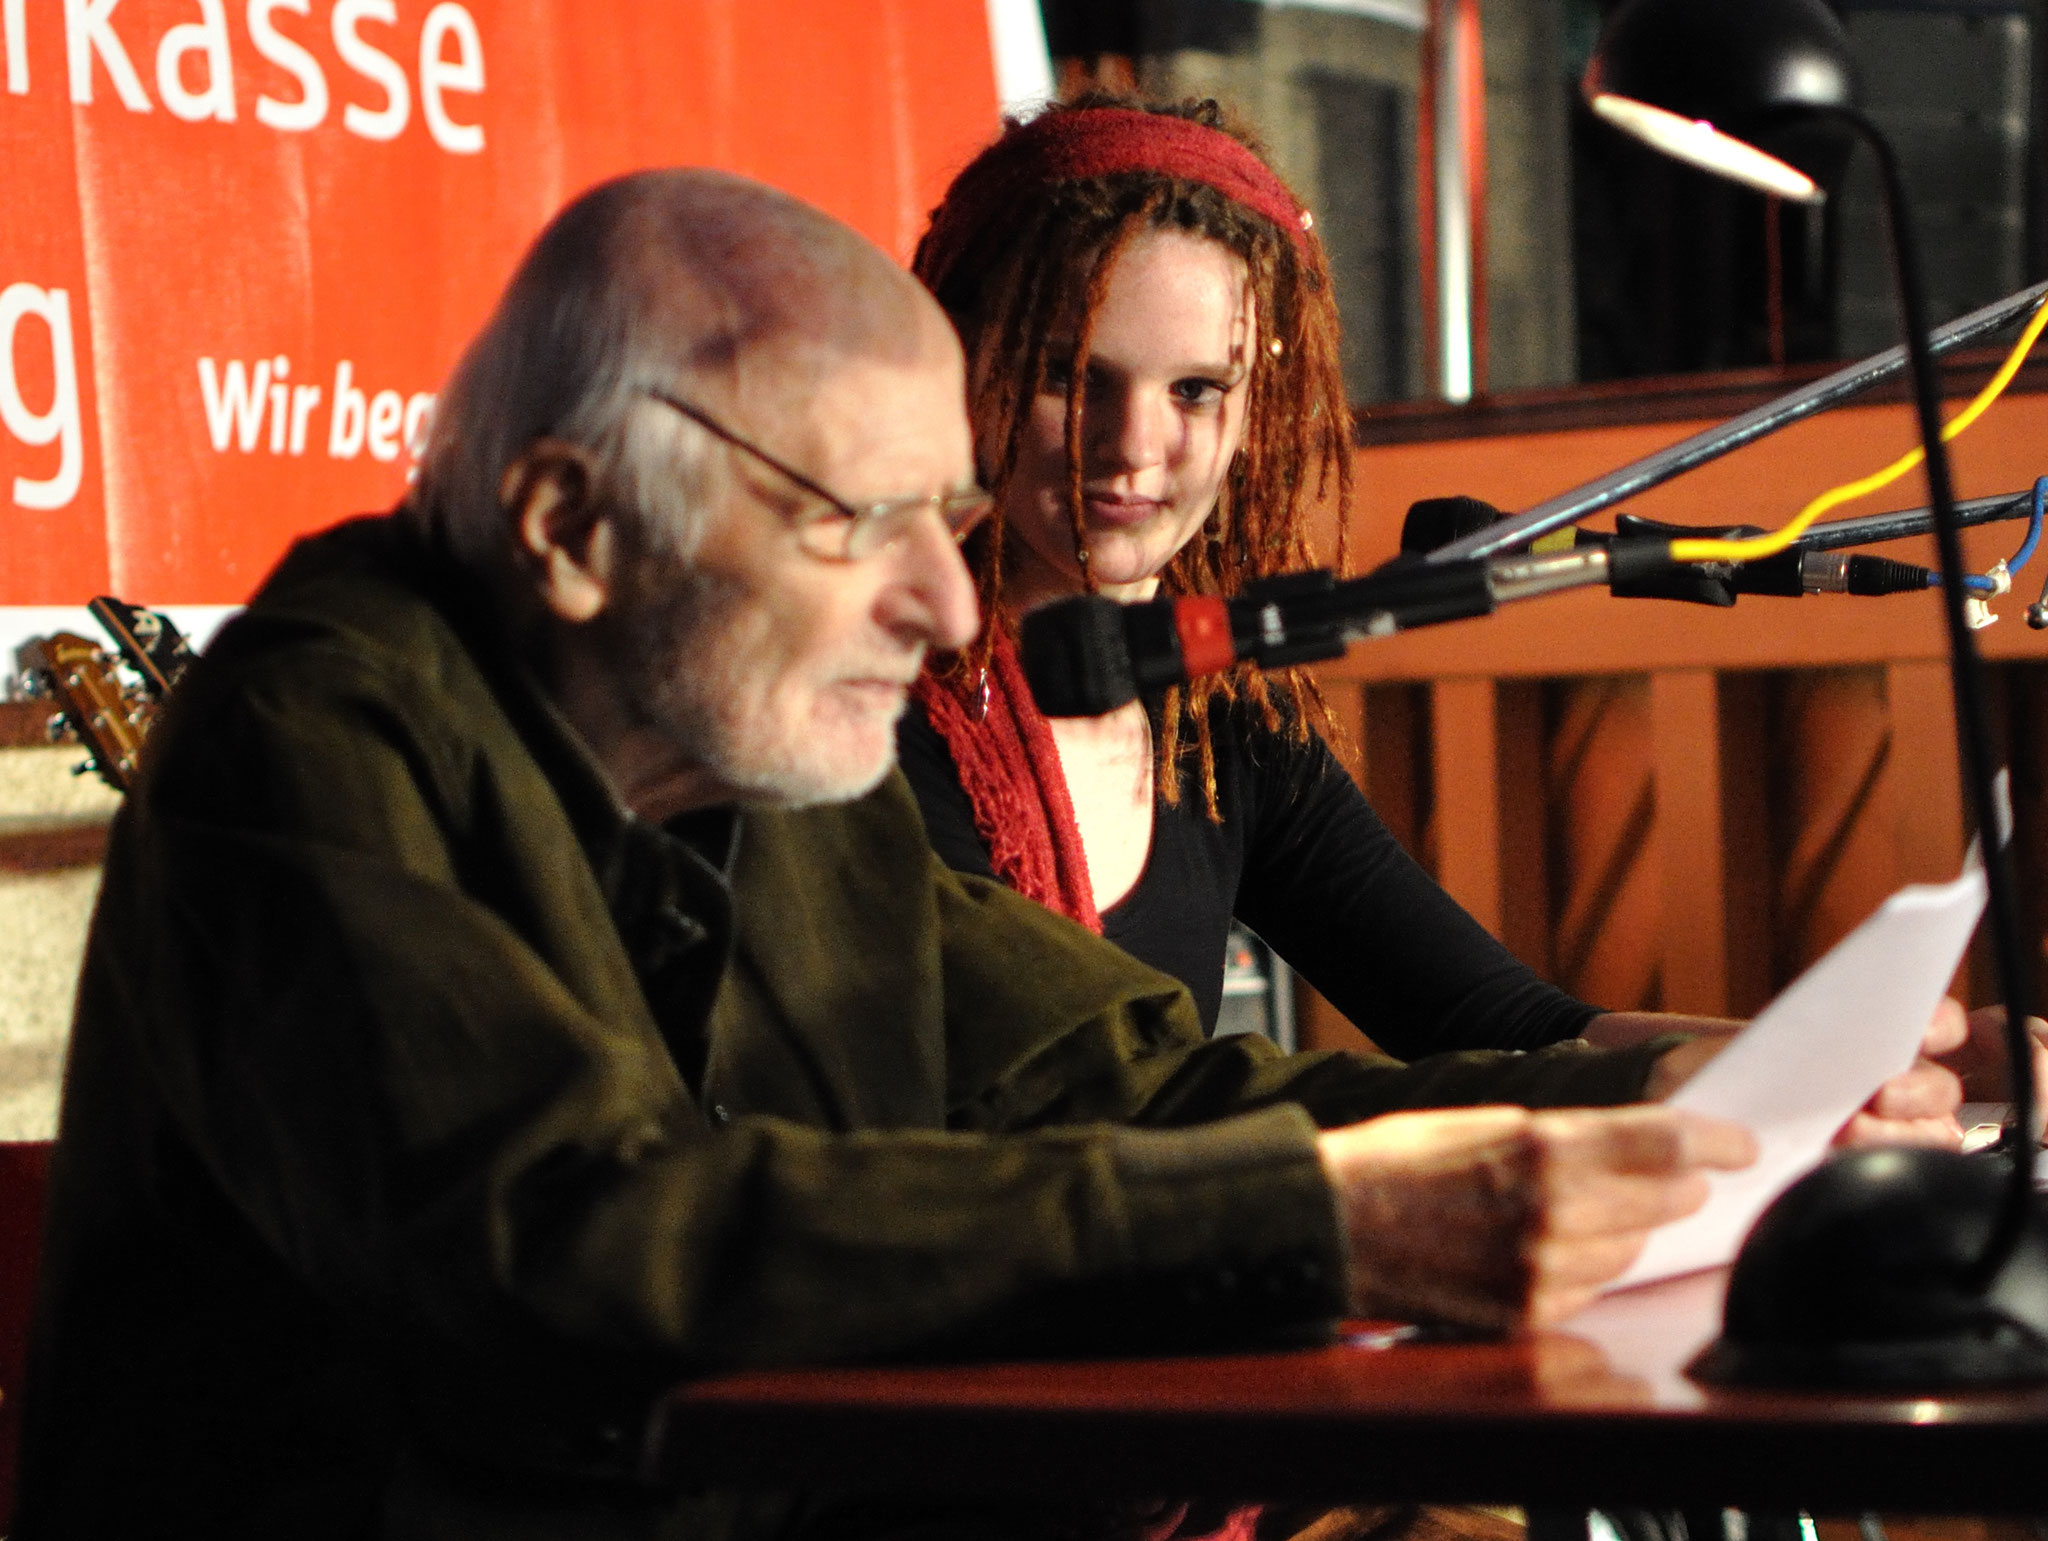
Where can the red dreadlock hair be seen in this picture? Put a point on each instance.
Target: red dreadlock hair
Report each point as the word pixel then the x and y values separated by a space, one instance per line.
pixel 1019 244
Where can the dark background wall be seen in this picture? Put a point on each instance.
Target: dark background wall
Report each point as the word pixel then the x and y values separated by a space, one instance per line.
pixel 1603 260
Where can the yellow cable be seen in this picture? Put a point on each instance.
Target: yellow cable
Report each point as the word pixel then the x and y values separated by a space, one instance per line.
pixel 1777 540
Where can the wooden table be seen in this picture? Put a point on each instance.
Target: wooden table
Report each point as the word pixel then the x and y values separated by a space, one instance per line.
pixel 1597 1413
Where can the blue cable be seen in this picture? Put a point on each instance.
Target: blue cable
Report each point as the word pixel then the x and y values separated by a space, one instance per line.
pixel 2019 558
pixel 1978 584
pixel 2037 612
pixel 1975 583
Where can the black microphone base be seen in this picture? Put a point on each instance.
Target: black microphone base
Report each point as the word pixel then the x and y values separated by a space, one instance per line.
pixel 1862 1276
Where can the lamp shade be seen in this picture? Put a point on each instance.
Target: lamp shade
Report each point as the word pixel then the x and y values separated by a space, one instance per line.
pixel 1721 84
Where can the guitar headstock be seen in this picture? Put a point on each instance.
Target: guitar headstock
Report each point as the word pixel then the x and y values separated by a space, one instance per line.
pixel 153 647
pixel 107 712
pixel 81 679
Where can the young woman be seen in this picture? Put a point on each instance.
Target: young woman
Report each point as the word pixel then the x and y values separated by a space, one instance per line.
pixel 1153 352
pixel 1152 345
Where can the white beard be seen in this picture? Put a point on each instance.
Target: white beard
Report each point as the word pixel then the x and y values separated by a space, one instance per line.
pixel 672 639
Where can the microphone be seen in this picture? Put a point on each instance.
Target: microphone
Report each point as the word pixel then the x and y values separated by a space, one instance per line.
pixel 1087 654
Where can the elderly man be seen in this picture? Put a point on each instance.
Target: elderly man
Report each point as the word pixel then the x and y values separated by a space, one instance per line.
pixel 456 1065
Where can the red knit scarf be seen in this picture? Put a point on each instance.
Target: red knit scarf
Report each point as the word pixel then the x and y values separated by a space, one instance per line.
pixel 1010 770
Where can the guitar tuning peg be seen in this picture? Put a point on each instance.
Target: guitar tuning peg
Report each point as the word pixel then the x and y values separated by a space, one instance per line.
pixel 58 731
pixel 83 768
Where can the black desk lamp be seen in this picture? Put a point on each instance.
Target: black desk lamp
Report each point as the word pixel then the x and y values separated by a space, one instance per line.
pixel 1904 1269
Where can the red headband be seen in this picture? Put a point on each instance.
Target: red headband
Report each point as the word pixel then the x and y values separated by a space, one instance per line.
pixel 1062 146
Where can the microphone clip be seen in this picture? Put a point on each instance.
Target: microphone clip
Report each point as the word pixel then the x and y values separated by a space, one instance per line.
pixel 1275 630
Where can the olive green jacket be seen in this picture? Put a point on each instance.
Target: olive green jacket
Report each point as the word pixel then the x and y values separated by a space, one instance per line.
pixel 427 1114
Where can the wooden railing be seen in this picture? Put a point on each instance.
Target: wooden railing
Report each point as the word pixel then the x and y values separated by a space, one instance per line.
pixel 1663 805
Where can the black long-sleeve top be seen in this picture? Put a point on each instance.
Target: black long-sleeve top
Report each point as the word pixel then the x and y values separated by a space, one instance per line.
pixel 1302 859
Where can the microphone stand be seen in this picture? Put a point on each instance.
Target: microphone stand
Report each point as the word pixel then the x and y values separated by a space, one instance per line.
pixel 2014 976
pixel 1085 654
pixel 1874 529
pixel 1712 443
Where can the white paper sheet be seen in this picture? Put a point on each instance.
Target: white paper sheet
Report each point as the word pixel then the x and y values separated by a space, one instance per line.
pixel 1813 1057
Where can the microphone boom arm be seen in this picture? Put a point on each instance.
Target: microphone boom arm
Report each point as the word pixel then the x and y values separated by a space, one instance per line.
pixel 1712 443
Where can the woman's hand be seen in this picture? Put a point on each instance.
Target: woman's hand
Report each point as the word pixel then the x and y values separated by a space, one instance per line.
pixel 1915 1107
pixel 1918 1105
pixel 1986 1069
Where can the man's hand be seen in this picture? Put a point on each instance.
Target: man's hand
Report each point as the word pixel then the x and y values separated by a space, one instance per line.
pixel 1500 1217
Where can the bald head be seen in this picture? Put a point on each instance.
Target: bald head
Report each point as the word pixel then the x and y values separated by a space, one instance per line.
pixel 725 268
pixel 702 283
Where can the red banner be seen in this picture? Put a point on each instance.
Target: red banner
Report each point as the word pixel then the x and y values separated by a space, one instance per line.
pixel 242 240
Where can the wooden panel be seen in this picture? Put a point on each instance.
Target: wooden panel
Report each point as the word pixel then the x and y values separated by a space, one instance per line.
pixel 1746 865
pixel 1726 792
pixel 1837 849
pixel 1691 835
pixel 1519 754
pixel 1467 822
pixel 1319 1025
pixel 1924 776
pixel 1606 945
pixel 1396 735
pixel 1931 826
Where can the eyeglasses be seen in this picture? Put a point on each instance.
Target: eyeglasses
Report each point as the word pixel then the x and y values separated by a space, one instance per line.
pixel 843 531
